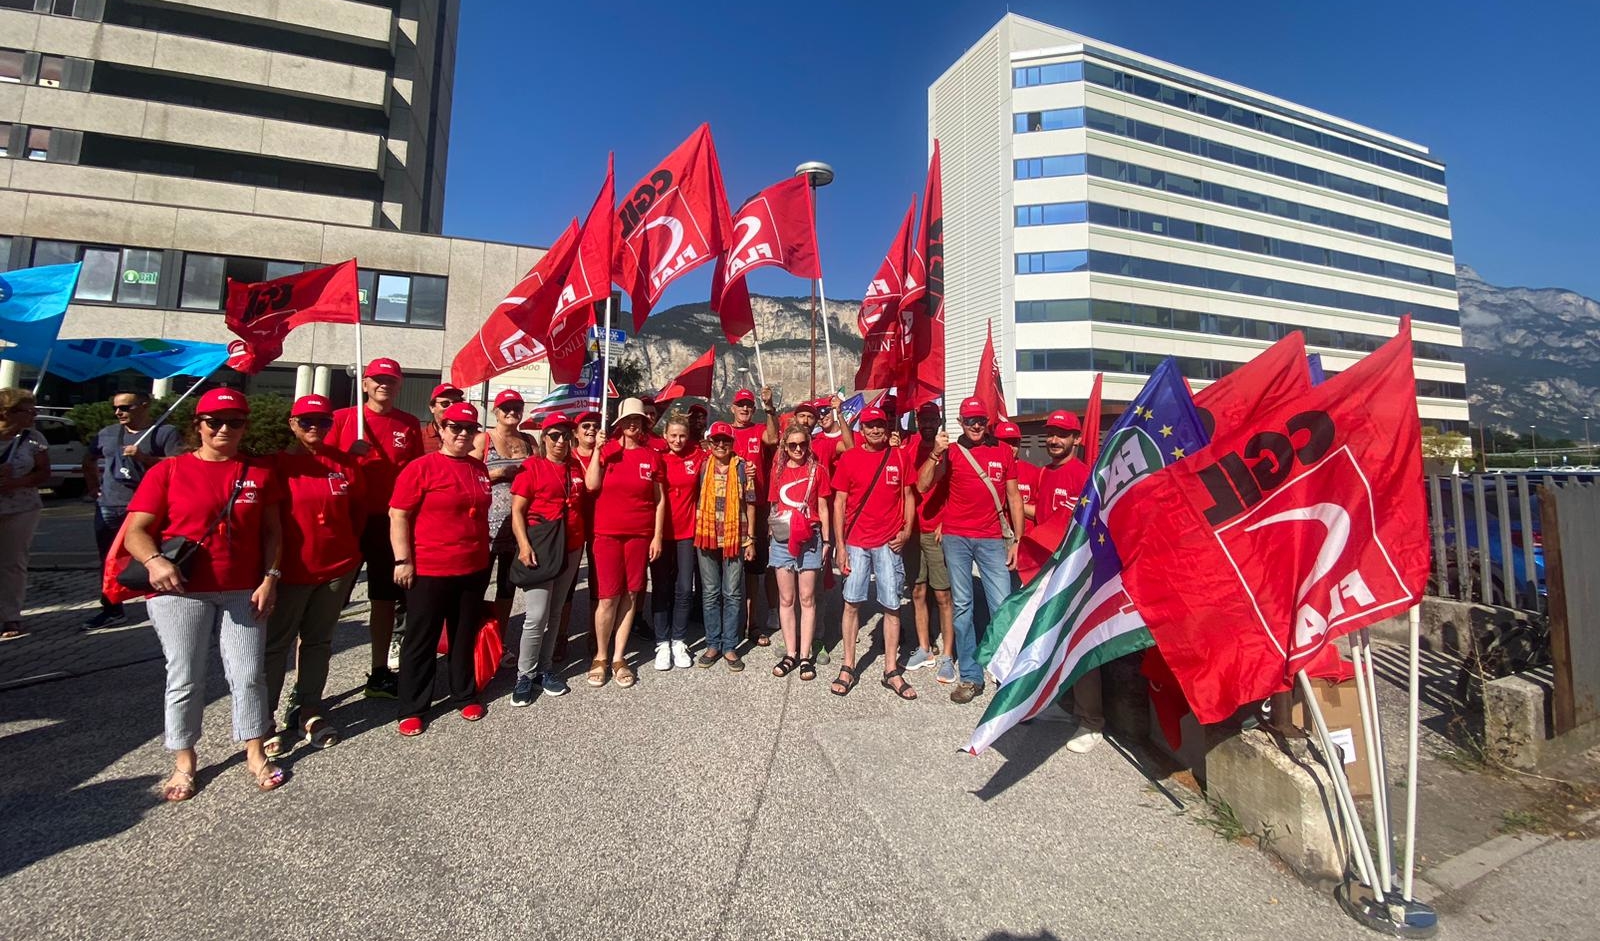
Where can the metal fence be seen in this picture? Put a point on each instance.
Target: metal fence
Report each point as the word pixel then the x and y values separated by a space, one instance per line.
pixel 1488 544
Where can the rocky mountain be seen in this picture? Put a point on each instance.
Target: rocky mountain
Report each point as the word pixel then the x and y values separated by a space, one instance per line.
pixel 1532 355
pixel 678 335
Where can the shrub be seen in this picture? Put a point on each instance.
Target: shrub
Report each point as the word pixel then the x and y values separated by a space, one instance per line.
pixel 269 416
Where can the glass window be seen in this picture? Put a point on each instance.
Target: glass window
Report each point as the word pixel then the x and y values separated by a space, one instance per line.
pixel 11 65
pixel 394 297
pixel 202 282
pixel 98 279
pixel 282 269
pixel 50 71
pixel 140 280
pixel 427 301
pixel 5 253
pixel 62 7
pixel 5 139
pixel 38 144
pixel 54 253
pixel 246 270
pixel 366 291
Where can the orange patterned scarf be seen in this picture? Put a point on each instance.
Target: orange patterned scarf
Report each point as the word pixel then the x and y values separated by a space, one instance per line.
pixel 729 537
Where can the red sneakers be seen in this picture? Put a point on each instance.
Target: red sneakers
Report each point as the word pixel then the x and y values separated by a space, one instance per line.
pixel 472 712
pixel 411 725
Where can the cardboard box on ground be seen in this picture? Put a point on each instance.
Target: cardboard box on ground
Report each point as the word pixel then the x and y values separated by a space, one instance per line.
pixel 1342 713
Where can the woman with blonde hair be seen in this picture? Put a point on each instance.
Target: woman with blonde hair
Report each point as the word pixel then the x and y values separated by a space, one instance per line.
pixel 24 465
pixel 798 490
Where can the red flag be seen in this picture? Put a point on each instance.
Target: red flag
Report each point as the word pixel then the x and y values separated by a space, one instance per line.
pixel 588 282
pixel 1091 423
pixel 989 388
pixel 927 320
pixel 774 227
pixel 514 333
pixel 696 380
pixel 1300 524
pixel 671 222
pixel 263 312
pixel 1276 376
pixel 885 345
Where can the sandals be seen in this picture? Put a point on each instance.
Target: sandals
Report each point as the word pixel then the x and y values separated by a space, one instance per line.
pixel 623 673
pixel 846 681
pixel 785 665
pixel 277 745
pixel 597 673
pixel 808 669
pixel 181 791
pixel 320 733
pixel 269 778
pixel 11 629
pixel 761 638
pixel 902 688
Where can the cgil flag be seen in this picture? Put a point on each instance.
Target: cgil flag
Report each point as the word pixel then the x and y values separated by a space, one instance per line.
pixel 924 300
pixel 587 282
pixel 774 228
pixel 671 222
pixel 1276 375
pixel 513 335
pixel 33 304
pixel 989 389
pixel 1076 616
pixel 884 343
pixel 1300 524
pixel 695 379
pixel 262 313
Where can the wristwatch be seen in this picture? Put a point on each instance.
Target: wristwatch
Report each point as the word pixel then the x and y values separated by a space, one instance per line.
pixel 273 573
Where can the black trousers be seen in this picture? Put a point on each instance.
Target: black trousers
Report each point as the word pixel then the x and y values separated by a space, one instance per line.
pixel 433 602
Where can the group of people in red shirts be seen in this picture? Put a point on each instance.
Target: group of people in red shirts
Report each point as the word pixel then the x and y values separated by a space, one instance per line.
pixel 437 511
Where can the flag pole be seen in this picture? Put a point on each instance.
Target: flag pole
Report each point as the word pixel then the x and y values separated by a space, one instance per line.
pixel 173 407
pixel 43 367
pixel 361 406
pixel 1354 832
pixel 761 372
pixel 605 367
pixel 818 174
pixel 1367 699
pixel 1415 617
pixel 827 338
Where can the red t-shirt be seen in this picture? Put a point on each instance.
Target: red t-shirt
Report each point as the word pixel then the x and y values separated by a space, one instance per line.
pixel 683 473
pixel 970 510
pixel 748 445
pixel 1028 486
pixel 930 505
pixel 324 516
pixel 884 514
pixel 550 486
pixel 626 503
pixel 657 443
pixel 448 498
pixel 826 448
pixel 186 494
pixel 1059 488
pixel 790 484
pixel 397 440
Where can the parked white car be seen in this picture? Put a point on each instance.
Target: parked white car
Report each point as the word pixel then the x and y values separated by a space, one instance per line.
pixel 67 451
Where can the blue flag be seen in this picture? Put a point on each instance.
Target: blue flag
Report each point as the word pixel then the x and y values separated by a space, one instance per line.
pixel 1314 364
pixel 182 358
pixel 82 360
pixel 33 302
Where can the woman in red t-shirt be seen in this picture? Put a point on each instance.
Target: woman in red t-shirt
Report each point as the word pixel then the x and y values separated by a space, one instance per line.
pixel 322 520
pixel 672 575
pixel 798 489
pixel 228 505
pixel 630 520
pixel 550 487
pixel 439 530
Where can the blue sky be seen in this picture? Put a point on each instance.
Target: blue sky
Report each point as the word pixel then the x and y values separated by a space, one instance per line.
pixel 1503 93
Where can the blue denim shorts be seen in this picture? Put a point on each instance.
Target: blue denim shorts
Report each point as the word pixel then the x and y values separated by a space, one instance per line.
pixel 882 562
pixel 810 560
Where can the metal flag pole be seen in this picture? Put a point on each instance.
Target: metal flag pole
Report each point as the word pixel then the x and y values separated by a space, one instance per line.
pixel 172 408
pixel 1367 699
pixel 43 367
pixel 361 406
pixel 605 366
pixel 1354 832
pixel 818 174
pixel 761 372
pixel 1412 673
pixel 827 338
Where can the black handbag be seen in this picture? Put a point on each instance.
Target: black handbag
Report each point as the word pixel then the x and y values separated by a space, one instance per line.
pixel 548 540
pixel 179 550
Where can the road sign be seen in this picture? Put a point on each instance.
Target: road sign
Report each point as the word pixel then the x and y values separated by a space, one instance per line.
pixel 618 338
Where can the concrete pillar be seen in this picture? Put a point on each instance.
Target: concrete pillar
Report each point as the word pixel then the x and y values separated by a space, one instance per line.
pixel 324 381
pixel 160 388
pixel 302 380
pixel 9 373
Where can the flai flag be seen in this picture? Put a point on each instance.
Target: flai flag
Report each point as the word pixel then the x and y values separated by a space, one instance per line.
pixel 774 228
pixel 885 341
pixel 514 335
pixel 586 283
pixel 924 301
pixel 989 389
pixel 1076 616
pixel 695 379
pixel 262 313
pixel 1300 524
pixel 1277 375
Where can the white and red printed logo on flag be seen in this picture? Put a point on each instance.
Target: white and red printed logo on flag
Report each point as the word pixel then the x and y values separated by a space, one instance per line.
pixel 1325 523
pixel 756 239
pixel 652 231
pixel 519 348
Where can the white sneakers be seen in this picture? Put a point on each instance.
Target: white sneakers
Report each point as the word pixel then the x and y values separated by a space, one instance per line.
pixel 663 656
pixel 680 655
pixel 1083 740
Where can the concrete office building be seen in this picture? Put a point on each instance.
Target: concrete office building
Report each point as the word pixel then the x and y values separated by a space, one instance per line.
pixel 170 145
pixel 1107 210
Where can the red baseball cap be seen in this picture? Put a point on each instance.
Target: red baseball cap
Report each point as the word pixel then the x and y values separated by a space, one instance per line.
pixel 1062 421
pixel 311 405
pixel 383 366
pixel 222 400
pixel 973 408
pixel 720 429
pixel 806 407
pixel 589 415
pixel 744 395
pixel 1008 431
pixel 553 420
pixel 440 391
pixel 507 395
pixel 464 413
pixel 872 413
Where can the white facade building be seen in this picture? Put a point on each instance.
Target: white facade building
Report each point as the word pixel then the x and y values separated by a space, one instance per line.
pixel 1106 210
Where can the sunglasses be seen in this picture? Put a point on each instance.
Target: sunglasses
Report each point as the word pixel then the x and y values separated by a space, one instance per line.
pixel 589 426
pixel 124 408
pixel 554 435
pixel 444 403
pixel 218 424
pixel 797 445
pixel 974 421
pixel 309 422
pixel 511 409
pixel 460 428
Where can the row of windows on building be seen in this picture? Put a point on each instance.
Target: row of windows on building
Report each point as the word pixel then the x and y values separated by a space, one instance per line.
pixel 1152 269
pixel 1194 367
pixel 1100 310
pixel 1061 119
pixel 19 67
pixel 140 277
pixel 24 142
pixel 79 8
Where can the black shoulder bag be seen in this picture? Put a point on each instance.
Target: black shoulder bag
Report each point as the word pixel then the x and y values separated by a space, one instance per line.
pixel 548 540
pixel 180 550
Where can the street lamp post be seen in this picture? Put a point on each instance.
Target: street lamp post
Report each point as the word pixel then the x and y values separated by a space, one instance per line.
pixel 1533 430
pixel 819 174
pixel 1588 449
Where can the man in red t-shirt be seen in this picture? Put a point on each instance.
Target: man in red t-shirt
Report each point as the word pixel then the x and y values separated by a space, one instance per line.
pixel 652 414
pixel 875 513
pixel 444 396
pixel 834 436
pixel 1008 433
pixel 391 440
pixel 756 444
pixel 982 519
pixel 924 557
